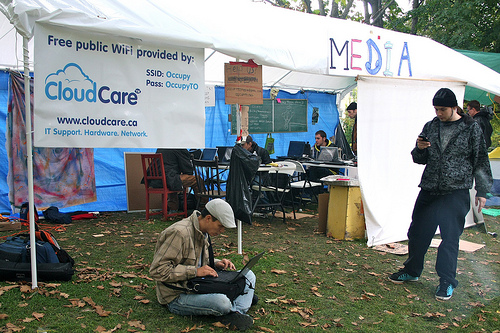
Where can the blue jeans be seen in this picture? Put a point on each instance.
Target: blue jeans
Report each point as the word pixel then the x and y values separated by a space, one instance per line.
pixel 213 304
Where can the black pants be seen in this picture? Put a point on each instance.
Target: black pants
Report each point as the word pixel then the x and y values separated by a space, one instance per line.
pixel 446 211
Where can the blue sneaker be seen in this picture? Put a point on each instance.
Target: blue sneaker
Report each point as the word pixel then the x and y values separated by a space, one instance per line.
pixel 444 291
pixel 401 277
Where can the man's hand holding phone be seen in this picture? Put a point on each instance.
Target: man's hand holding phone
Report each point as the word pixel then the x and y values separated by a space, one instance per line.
pixel 423 142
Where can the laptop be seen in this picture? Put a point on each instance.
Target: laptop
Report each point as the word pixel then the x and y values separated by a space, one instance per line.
pixel 208 154
pixel 328 155
pixel 295 150
pixel 224 154
pixel 231 276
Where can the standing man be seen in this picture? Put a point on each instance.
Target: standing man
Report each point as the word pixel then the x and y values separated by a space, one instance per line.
pixel 321 141
pixel 452 148
pixel 483 118
pixel 352 112
pixel 182 253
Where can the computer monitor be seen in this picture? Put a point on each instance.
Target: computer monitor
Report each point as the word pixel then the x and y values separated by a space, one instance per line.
pixel 328 154
pixel 208 154
pixel 296 149
pixel 224 153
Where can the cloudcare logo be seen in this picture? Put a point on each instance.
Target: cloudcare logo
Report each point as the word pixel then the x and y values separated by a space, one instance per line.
pixel 71 83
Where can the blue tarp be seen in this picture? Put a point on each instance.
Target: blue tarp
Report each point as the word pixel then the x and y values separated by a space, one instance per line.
pixel 109 162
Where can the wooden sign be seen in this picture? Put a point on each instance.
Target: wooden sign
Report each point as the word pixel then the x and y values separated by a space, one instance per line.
pixel 243 83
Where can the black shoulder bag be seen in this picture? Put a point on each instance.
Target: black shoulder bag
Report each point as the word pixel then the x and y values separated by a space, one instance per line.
pixel 201 285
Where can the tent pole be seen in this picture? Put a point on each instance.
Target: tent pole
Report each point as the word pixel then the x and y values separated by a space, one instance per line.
pixel 29 153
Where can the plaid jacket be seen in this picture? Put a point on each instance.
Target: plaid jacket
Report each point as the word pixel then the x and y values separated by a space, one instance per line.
pixel 465 158
pixel 177 252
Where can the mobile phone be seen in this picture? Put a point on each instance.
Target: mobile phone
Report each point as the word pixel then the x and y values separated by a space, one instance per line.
pixel 424 138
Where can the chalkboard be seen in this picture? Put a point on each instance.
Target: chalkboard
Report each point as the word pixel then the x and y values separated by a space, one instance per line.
pixel 289 116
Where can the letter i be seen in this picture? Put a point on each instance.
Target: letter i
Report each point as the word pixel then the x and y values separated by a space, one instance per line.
pixel 388 46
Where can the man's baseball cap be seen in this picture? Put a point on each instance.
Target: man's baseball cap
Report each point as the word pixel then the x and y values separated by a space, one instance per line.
pixel 221 211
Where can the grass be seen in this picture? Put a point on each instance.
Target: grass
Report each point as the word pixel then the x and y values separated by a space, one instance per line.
pixel 305 282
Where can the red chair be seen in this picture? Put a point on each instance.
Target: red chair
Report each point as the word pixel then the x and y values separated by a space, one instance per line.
pixel 153 170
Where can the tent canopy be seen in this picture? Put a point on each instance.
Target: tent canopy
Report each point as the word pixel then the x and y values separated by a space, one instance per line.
pixel 315 53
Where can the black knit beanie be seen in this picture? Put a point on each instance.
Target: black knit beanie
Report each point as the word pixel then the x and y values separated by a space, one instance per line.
pixel 445 97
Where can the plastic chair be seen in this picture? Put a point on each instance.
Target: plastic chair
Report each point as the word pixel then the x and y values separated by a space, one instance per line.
pixel 154 174
pixel 301 182
pixel 278 184
pixel 207 175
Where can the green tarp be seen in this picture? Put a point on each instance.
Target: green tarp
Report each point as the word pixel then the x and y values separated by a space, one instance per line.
pixel 489 59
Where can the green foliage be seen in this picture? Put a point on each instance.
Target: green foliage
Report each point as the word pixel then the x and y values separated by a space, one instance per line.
pixel 469 25
pixel 495 123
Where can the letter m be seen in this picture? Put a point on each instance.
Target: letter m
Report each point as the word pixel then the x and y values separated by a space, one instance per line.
pixel 344 48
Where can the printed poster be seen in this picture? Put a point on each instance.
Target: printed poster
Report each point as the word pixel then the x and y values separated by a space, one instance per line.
pixel 96 90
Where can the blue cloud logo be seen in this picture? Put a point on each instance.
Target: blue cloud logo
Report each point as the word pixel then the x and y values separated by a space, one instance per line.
pixel 72 84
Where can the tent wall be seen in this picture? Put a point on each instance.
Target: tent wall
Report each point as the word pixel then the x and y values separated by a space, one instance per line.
pixel 109 162
pixel 386 136
pixel 4 166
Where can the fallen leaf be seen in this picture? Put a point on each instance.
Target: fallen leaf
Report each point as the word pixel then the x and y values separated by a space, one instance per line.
pixel 138 324
pixel 100 311
pixel 98 235
pixel 37 315
pixel 278 271
pixel 219 324
pixel 3 316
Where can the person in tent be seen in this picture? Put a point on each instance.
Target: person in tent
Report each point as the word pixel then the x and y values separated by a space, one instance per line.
pixel 321 141
pixel 483 118
pixel 352 112
pixel 452 148
pixel 183 252
pixel 254 148
pixel 178 172
pixel 316 173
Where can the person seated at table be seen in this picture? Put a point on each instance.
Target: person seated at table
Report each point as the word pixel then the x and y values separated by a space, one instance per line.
pixel 321 141
pixel 316 173
pixel 179 173
pixel 254 148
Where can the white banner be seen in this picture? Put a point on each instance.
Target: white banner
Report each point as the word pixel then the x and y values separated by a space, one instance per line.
pixel 95 90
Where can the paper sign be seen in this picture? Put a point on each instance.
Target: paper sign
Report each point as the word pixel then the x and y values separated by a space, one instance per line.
pixel 243 83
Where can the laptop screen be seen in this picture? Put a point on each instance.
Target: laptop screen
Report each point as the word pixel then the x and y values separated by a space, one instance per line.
pixel 224 153
pixel 296 149
pixel 328 154
pixel 208 154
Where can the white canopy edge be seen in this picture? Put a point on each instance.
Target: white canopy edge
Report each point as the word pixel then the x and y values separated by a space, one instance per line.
pixel 289 40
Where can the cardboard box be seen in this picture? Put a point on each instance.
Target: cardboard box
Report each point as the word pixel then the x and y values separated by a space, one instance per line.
pixel 10 225
pixel 323 211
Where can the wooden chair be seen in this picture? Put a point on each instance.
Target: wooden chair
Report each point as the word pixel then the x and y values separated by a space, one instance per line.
pixel 154 174
pixel 207 175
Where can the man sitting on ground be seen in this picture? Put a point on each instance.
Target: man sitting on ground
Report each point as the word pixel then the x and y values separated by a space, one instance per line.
pixel 182 253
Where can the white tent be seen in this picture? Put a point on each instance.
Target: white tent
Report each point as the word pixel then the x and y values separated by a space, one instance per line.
pixel 399 72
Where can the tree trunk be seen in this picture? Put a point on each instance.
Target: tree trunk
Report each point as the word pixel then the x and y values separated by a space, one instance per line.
pixel 335 9
pixel 414 18
pixel 322 7
pixel 307 3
